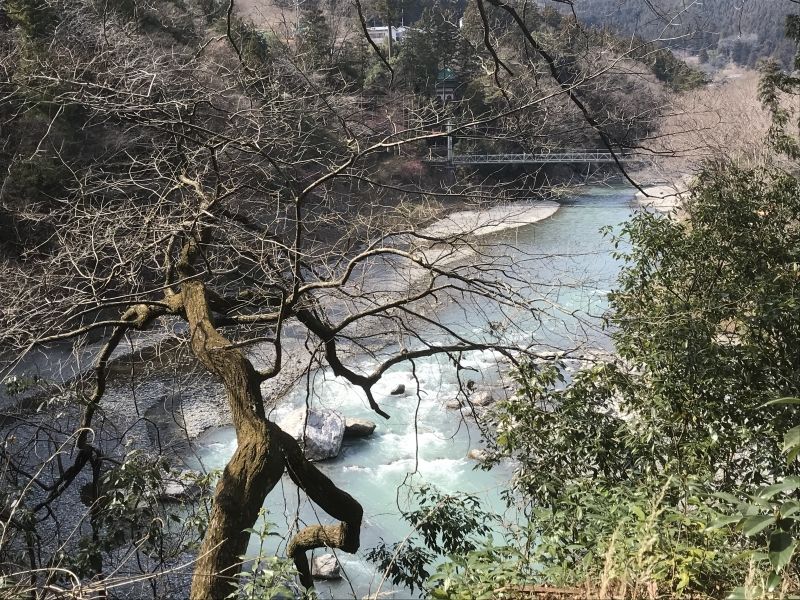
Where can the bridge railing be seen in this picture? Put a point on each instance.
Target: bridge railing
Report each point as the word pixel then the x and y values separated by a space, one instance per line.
pixel 572 156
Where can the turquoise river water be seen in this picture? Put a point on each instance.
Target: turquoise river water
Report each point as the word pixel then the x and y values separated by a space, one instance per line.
pixel 569 270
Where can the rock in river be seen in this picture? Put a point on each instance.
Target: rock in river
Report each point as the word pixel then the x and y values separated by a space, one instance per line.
pixel 320 435
pixel 483 398
pixel 478 454
pixel 356 428
pixel 325 567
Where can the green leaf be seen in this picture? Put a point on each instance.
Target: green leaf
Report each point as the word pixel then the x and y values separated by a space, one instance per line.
pixel 781 548
pixel 744 593
pixel 724 520
pixel 756 524
pixel 773 581
pixel 782 401
pixel 791 439
pixel 789 508
pixel 637 510
pixel 787 485
pixel 726 497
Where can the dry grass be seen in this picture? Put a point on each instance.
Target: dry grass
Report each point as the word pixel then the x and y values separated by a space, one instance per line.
pixel 588 592
pixel 282 21
pixel 721 120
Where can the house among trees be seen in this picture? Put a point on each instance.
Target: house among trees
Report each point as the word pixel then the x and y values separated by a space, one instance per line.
pixel 447 85
pixel 380 34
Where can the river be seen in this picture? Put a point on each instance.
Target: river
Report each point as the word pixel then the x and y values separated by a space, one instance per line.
pixel 569 268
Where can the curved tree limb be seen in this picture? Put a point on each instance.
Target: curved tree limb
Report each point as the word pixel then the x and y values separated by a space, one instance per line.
pixel 136 317
pixel 253 470
pixel 334 501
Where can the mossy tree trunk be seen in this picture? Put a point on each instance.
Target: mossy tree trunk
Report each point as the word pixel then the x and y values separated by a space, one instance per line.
pixel 264 451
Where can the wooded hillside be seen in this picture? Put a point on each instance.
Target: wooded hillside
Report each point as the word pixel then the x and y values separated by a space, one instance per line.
pixel 742 32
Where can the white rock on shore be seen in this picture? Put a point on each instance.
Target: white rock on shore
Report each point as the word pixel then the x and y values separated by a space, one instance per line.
pixel 180 486
pixel 358 428
pixel 478 454
pixel 665 197
pixel 325 567
pixel 482 398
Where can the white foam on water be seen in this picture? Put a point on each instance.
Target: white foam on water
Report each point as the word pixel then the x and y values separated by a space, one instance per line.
pixel 374 468
pixel 442 472
pixel 406 444
pixel 213 449
pixel 355 469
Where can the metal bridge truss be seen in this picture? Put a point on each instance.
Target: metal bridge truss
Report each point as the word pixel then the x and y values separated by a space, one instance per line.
pixel 565 156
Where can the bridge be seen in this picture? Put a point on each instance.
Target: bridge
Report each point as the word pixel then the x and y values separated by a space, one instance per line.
pixel 540 158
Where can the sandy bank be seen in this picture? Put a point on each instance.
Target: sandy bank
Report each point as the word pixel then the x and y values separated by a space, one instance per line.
pixel 665 197
pixel 452 240
pixel 491 220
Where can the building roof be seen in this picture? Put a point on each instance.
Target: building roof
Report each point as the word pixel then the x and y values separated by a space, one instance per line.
pixel 446 74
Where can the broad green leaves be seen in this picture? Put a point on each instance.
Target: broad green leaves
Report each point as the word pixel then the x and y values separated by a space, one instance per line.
pixel 791 443
pixel 451 525
pixel 772 518
pixel 756 524
pixel 641 462
pixel 781 549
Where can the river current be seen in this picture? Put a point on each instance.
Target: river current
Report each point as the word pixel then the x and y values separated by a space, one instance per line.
pixel 569 267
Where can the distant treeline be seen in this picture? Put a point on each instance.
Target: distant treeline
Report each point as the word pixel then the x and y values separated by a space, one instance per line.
pixel 718 31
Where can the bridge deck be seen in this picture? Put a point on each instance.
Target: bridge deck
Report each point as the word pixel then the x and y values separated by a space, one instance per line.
pixel 581 156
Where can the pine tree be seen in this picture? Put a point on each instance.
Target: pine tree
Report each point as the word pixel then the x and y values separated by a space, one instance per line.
pixel 314 40
pixel 774 83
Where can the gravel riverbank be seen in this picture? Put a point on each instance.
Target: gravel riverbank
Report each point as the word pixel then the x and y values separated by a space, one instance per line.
pixel 491 220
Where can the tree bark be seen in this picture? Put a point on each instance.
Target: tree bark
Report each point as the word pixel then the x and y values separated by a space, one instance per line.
pixel 253 470
pixel 263 453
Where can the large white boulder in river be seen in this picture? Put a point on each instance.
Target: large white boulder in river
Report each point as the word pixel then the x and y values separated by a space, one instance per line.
pixel 320 434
